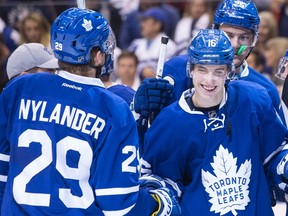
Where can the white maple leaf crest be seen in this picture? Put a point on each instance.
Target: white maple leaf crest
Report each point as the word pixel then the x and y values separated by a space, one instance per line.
pixel 228 189
pixel 87 24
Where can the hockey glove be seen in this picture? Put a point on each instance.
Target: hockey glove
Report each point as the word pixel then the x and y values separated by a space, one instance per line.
pixel 152 96
pixel 150 182
pixel 279 171
pixel 167 201
pixel 282 170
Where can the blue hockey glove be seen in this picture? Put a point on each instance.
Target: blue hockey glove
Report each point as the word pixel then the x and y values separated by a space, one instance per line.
pixel 152 96
pixel 150 182
pixel 282 171
pixel 167 201
pixel 279 180
pixel 277 194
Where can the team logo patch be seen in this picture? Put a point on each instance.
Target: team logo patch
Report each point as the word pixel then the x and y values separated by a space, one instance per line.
pixel 228 188
pixel 214 122
pixel 87 24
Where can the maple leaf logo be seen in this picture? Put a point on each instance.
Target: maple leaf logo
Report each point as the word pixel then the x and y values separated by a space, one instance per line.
pixel 87 24
pixel 228 189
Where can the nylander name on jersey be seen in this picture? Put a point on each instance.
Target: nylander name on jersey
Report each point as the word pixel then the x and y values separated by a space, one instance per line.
pixel 65 115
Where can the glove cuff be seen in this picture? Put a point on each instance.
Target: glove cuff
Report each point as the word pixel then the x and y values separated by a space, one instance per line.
pixel 164 202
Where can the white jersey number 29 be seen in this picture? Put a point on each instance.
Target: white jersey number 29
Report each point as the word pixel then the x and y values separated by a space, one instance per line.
pixel 44 160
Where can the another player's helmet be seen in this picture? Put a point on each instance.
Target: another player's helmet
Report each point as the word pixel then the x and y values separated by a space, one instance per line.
pixel 282 68
pixel 76 31
pixel 239 13
pixel 210 46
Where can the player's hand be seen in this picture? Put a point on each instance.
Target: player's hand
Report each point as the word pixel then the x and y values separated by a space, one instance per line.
pixel 277 194
pixel 151 181
pixel 282 171
pixel 152 96
pixel 279 188
pixel 167 201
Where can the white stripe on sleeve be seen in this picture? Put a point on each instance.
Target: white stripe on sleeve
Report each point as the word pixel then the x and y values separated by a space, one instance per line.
pixel 4 157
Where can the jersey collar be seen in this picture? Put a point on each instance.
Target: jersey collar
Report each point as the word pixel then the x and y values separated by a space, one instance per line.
pixel 80 79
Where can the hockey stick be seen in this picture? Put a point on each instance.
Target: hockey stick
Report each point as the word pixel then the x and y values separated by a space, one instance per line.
pixel 162 56
pixel 81 4
pixel 160 65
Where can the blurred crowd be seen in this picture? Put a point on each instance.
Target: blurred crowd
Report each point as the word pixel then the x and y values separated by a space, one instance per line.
pixel 138 26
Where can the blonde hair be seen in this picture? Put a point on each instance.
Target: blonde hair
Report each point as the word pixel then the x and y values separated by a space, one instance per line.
pixel 43 25
pixel 279 46
pixel 270 19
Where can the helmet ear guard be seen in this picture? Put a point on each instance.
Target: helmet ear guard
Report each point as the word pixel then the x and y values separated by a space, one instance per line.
pixel 108 67
pixel 212 47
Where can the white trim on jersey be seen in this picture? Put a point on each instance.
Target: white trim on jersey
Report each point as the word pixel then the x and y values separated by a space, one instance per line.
pixel 80 79
pixel 116 191
pixel 3 178
pixel 4 157
pixel 118 212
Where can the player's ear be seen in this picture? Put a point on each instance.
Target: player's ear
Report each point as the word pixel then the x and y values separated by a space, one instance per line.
pixel 97 58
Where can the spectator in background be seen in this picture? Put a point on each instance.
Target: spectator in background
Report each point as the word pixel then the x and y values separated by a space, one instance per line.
pixel 262 4
pixel 10 36
pixel 127 63
pixel 15 10
pixel 283 19
pixel 31 58
pixel 35 28
pixel 4 53
pixel 122 91
pixel 111 13
pixel 275 48
pixel 267 29
pixel 197 18
pixel 147 49
pixel 131 29
pixel 257 61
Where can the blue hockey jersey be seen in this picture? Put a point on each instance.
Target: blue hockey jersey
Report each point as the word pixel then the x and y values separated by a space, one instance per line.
pixel 215 169
pixel 176 68
pixel 69 147
pixel 123 91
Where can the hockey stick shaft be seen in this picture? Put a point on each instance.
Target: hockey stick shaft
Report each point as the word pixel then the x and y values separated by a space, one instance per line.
pixel 160 65
pixel 81 4
pixel 162 56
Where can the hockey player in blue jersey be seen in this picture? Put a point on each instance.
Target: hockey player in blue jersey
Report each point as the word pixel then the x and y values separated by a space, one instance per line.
pixel 67 145
pixel 221 141
pixel 240 20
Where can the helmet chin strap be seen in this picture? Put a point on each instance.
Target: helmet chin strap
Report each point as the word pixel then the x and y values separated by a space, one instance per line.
pixel 98 68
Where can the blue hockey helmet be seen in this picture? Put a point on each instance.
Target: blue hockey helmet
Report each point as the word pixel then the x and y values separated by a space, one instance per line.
pixel 76 31
pixel 210 46
pixel 241 13
pixel 282 68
